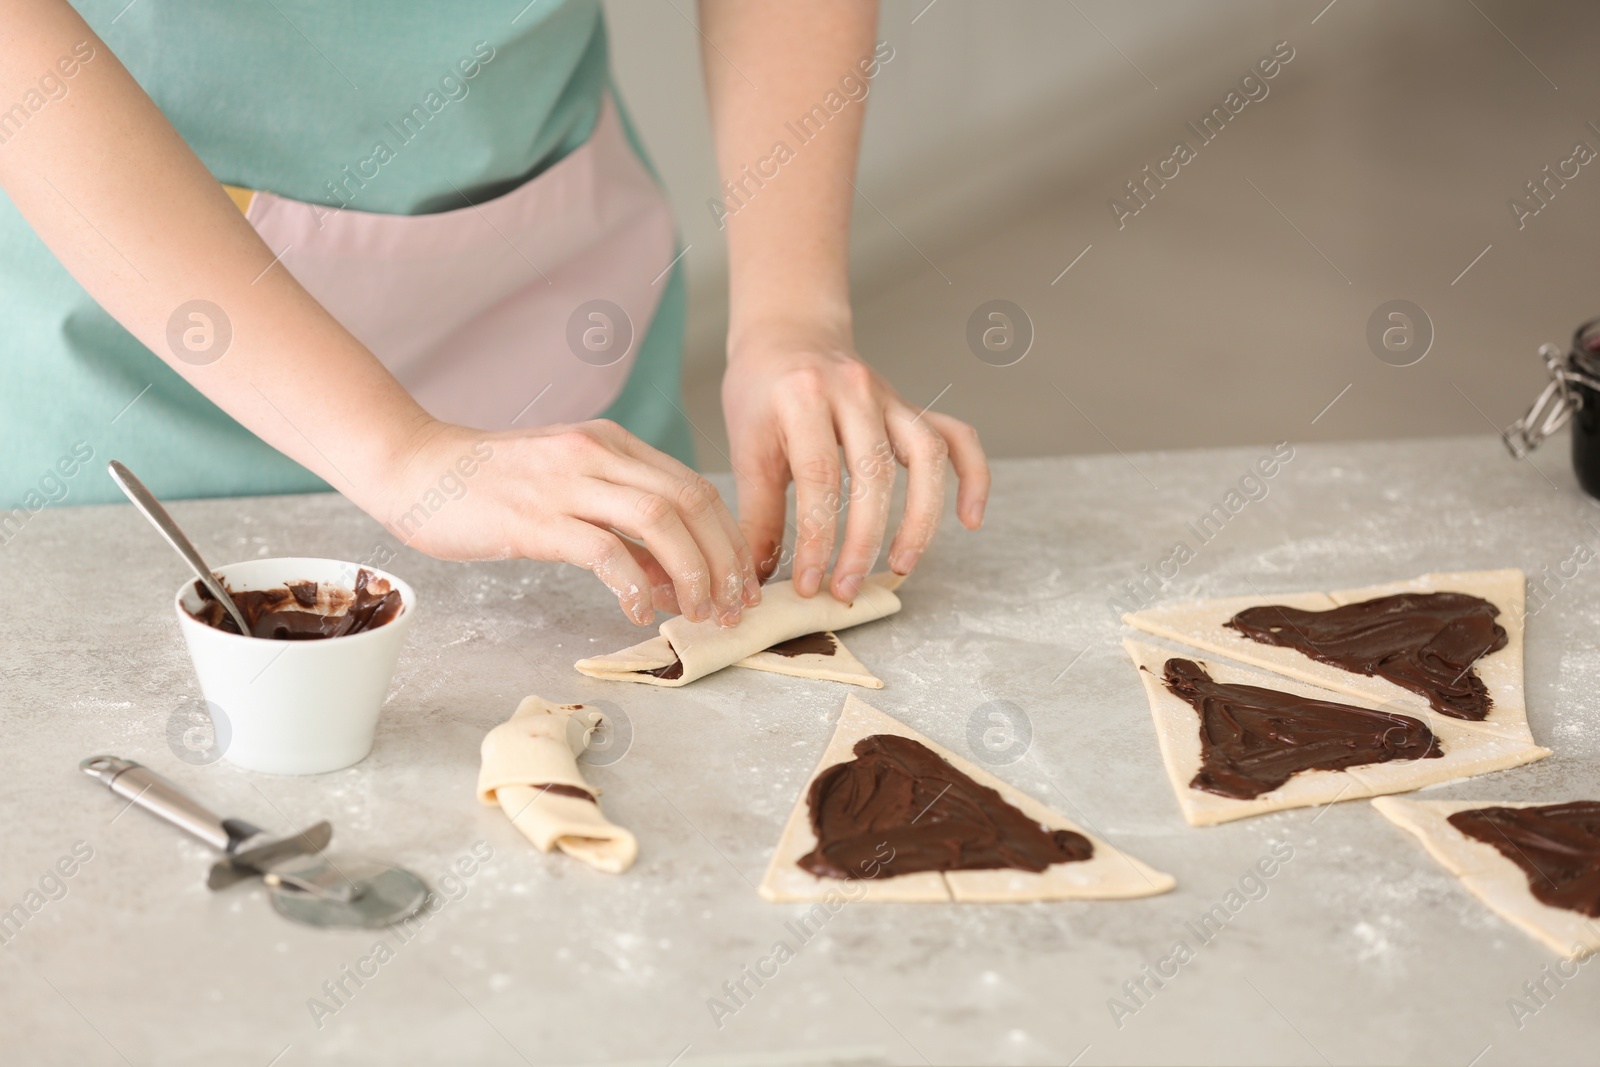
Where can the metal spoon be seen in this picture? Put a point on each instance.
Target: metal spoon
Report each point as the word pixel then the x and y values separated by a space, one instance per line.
pixel 151 509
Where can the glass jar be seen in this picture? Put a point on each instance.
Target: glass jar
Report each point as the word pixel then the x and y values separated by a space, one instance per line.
pixel 1573 395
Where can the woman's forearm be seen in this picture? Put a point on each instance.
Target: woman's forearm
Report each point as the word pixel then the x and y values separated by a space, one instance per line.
pixel 110 186
pixel 787 89
pixel 788 85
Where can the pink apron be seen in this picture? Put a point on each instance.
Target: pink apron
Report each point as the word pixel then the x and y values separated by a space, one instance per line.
pixel 524 310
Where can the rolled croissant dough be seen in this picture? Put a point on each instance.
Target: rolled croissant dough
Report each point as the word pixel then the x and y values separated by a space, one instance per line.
pixel 537 747
pixel 1495 880
pixel 1467 752
pixel 1108 874
pixel 1201 624
pixel 783 614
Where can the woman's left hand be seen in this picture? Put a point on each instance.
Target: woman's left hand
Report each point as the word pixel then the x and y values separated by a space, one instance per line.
pixel 793 395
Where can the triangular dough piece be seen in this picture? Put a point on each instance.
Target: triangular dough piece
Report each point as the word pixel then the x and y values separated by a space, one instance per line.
pixel 1108 874
pixel 840 665
pixel 650 655
pixel 1467 751
pixel 703 648
pixel 1495 880
pixel 1201 624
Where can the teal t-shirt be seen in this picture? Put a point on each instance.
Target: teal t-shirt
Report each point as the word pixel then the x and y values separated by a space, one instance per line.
pixel 289 97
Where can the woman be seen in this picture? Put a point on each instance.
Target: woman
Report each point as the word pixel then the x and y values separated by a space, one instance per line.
pixel 416 256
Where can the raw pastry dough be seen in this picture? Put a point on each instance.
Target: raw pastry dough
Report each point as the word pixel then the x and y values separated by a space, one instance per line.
pixel 1467 751
pixel 1494 879
pixel 839 666
pixel 1108 874
pixel 783 614
pixel 538 747
pixel 1201 624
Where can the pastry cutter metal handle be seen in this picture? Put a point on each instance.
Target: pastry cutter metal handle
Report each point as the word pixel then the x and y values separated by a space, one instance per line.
pixel 248 851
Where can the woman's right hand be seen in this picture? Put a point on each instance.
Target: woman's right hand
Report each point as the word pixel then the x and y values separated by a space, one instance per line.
pixel 586 493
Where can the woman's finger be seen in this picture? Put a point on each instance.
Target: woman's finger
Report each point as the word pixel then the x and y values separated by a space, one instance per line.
pixel 663 595
pixel 763 503
pixel 972 466
pixel 923 451
pixel 586 545
pixel 651 518
pixel 869 458
pixel 689 481
pixel 814 464
pixel 699 508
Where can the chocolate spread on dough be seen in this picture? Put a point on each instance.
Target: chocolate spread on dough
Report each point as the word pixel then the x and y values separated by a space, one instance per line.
pixel 669 672
pixel 898 808
pixel 285 615
pixel 1252 740
pixel 1424 642
pixel 557 789
pixel 1556 845
pixel 818 644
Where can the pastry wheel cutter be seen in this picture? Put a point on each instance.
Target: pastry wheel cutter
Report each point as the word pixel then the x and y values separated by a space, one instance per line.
pixel 304 883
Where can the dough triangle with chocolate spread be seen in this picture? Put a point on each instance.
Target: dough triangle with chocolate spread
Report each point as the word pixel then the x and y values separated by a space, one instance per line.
pixel 820 655
pixel 1535 864
pixel 904 819
pixel 1445 644
pixel 784 634
pixel 1237 742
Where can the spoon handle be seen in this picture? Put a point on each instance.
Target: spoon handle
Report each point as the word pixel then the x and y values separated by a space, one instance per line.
pixel 151 509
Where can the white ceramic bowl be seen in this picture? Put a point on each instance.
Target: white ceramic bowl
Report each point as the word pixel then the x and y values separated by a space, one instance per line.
pixel 294 707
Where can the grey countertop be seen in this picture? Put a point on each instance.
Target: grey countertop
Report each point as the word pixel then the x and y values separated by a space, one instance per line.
pixel 1360 949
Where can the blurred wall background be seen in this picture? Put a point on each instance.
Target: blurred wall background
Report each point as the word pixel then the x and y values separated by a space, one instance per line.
pixel 1234 306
